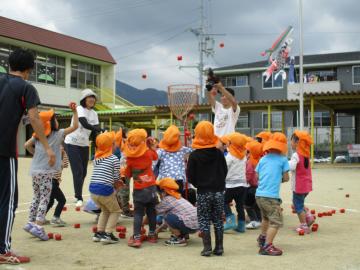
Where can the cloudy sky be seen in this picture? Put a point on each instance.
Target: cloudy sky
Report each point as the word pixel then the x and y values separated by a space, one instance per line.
pixel 146 36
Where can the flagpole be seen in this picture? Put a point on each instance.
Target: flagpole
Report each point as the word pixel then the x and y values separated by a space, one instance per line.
pixel 301 76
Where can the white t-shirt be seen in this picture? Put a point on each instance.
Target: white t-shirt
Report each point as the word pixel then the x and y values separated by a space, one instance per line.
pixel 80 137
pixel 293 162
pixel 236 176
pixel 225 119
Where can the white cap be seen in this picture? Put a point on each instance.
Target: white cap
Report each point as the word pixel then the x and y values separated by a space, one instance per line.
pixel 87 93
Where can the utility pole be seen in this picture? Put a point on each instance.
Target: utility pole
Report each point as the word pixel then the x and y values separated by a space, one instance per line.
pixel 206 48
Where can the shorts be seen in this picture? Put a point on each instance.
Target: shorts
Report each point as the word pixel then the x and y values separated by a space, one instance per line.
pixel 174 222
pixel 298 202
pixel 271 211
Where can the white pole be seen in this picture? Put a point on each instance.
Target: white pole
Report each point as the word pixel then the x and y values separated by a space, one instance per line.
pixel 201 48
pixel 301 76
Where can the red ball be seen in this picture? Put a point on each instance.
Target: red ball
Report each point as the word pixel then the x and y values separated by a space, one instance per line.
pixel 301 232
pixel 122 235
pixel 179 58
pixel 64 208
pixel 314 227
pixel 144 76
pixel 57 237
pixel 50 235
pixel 94 229
pixel 77 208
pixel 222 45
pixel 121 229
pixel 333 211
pixel 342 210
pixel 320 214
pixel 312 212
pixel 347 195
pixel 77 225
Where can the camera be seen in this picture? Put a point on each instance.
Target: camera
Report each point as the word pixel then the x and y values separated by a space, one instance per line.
pixel 211 80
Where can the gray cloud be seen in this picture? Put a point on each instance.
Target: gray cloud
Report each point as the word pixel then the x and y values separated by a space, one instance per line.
pixel 145 36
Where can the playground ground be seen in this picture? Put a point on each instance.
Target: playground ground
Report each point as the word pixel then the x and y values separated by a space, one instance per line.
pixel 334 246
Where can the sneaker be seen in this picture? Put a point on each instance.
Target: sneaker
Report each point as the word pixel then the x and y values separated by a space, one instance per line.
pixel 28 227
pixel 134 242
pixel 176 241
pixel 57 222
pixel 261 240
pixel 98 236
pixel 309 219
pixel 252 225
pixel 127 215
pixel 270 250
pixel 152 238
pixel 303 227
pixel 12 258
pixel 109 238
pixel 79 203
pixel 39 232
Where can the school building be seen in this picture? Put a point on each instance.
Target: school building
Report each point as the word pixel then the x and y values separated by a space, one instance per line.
pixel 64 66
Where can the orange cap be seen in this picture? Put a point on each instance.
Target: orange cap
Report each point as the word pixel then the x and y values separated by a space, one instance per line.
pixel 204 136
pixel 237 144
pixel 135 144
pixel 104 144
pixel 305 142
pixel 169 186
pixel 171 140
pixel 264 135
pixel 45 117
pixel 256 150
pixel 278 142
pixel 118 138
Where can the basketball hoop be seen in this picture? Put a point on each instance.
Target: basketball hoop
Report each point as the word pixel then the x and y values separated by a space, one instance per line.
pixel 182 98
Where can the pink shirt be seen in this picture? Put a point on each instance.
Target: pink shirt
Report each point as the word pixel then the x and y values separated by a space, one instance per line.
pixel 251 176
pixel 302 178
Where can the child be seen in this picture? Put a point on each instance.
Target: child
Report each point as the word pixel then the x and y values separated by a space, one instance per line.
pixel 263 136
pixel 179 214
pixel 57 194
pixel 301 177
pixel 255 152
pixel 106 174
pixel 236 184
pixel 272 170
pixel 139 160
pixel 171 158
pixel 42 174
pixel 207 172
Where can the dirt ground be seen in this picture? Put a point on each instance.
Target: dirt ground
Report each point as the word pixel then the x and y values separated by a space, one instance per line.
pixel 335 246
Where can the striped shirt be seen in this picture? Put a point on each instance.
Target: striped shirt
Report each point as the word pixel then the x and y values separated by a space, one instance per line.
pixel 105 173
pixel 65 164
pixel 181 208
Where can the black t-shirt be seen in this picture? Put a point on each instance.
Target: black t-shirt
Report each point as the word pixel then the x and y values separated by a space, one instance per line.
pixel 16 96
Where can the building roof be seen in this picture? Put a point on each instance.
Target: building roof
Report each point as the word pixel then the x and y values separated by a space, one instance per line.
pixel 39 36
pixel 319 59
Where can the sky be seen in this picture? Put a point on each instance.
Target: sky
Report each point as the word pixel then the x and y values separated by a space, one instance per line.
pixel 146 36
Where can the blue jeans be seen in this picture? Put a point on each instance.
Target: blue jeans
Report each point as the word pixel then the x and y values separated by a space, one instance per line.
pixel 174 222
pixel 298 201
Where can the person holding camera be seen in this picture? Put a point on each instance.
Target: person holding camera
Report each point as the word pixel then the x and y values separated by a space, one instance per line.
pixel 227 110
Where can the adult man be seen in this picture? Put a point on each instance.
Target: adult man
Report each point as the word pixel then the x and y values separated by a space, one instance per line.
pixel 227 112
pixel 16 97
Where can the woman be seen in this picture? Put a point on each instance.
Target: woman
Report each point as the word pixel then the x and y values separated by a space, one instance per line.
pixel 77 143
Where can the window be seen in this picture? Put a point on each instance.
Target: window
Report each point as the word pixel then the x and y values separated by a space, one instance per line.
pixel 236 81
pixel 321 119
pixel 84 75
pixel 314 76
pixel 243 121
pixel 276 120
pixel 4 58
pixel 49 69
pixel 272 83
pixel 356 74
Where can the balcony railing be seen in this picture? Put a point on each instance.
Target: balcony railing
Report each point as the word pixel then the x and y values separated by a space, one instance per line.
pixel 316 87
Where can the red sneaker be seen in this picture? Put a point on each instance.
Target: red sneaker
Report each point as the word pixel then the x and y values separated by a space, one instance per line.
pixel 134 242
pixel 12 258
pixel 152 238
pixel 270 250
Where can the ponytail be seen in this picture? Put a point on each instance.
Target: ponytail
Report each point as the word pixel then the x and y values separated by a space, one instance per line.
pixel 306 162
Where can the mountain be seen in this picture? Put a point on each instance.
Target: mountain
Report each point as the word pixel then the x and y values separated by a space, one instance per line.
pixel 146 97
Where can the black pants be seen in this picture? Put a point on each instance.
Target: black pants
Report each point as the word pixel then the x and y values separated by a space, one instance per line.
pixel 56 194
pixel 139 210
pixel 78 158
pixel 251 206
pixel 191 192
pixel 8 200
pixel 210 208
pixel 239 195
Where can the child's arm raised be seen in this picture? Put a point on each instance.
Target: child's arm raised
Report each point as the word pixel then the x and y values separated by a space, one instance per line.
pixel 29 145
pixel 75 125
